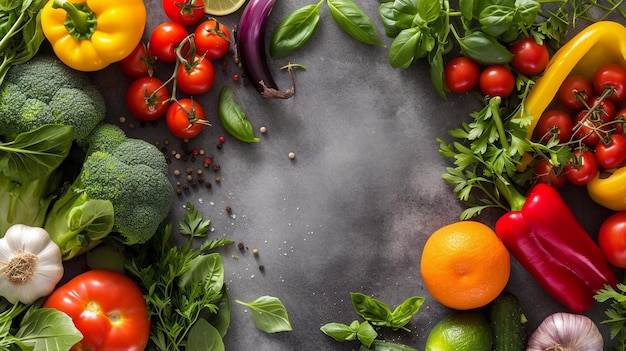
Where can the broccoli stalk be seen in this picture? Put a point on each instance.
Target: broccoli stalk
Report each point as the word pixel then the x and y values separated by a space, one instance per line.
pixel 29 174
pixel 130 175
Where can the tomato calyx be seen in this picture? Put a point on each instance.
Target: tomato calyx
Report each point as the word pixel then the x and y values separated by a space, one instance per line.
pixel 187 8
pixel 191 115
pixel 216 29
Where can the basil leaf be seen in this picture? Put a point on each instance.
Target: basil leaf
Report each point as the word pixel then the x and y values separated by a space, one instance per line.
pixel 233 118
pixel 269 313
pixel 405 12
pixel 204 337
pixel 366 334
pixel 294 31
pixel 36 153
pixel 402 314
pixel 339 331
pixel 484 49
pixel 527 11
pixel 388 19
pixel 221 319
pixel 206 271
pixel 47 329
pixel 404 48
pixel 429 10
pixel 371 309
pixel 380 345
pixel 496 20
pixel 352 20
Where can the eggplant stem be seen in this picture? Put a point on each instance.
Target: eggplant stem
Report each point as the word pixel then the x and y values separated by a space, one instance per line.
pixel 272 93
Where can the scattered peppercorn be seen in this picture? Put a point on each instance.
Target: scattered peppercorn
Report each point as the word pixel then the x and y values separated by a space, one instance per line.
pixel 261 267
pixel 222 139
pixel 219 146
pixel 229 209
pixel 236 78
pixel 263 130
pixel 176 172
pixel 240 246
pixel 255 252
pixel 291 155
pixel 216 167
pixel 122 119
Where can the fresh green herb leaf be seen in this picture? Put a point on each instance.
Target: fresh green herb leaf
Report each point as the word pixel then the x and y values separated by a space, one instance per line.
pixel 295 30
pixel 47 329
pixel 352 20
pixel 363 332
pixel 269 313
pixel 380 345
pixel 485 49
pixel 193 223
pixel 378 313
pixel 615 313
pixel 204 337
pixel 233 118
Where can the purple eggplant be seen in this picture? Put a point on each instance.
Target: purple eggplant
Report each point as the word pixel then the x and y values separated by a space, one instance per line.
pixel 251 49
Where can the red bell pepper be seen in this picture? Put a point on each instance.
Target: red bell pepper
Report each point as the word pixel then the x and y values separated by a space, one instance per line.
pixel 551 244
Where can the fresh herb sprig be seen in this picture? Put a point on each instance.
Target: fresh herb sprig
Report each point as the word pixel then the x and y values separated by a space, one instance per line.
pixel 269 314
pixel 184 288
pixel 615 313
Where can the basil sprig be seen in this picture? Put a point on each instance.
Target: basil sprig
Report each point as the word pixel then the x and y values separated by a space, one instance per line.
pixel 233 118
pixel 298 27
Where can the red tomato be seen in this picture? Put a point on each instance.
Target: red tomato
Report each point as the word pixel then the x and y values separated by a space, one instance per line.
pixel 107 307
pixel 611 75
pixel 612 152
pixel 546 173
pixel 165 38
pixel 606 109
pixel 139 63
pixel 212 39
pixel 554 123
pixel 497 80
pixel 612 239
pixel 582 168
pixel 575 92
pixel 529 57
pixel 461 74
pixel 185 12
pixel 618 122
pixel 589 128
pixel 147 98
pixel 195 77
pixel 185 118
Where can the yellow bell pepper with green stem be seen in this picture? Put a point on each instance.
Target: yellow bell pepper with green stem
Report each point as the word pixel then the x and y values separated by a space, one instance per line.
pixel 598 44
pixel 89 35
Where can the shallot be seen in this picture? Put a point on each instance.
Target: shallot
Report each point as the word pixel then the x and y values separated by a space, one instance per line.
pixel 566 332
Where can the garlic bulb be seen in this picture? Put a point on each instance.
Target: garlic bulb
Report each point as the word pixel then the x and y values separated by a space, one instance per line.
pixel 566 332
pixel 30 264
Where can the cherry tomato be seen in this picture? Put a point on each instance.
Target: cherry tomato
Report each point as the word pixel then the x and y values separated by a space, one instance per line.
pixel 547 173
pixel 582 168
pixel 554 123
pixel 529 57
pixel 107 307
pixel 212 39
pixel 618 121
pixel 575 92
pixel 461 74
pixel 606 109
pixel 612 239
pixel 612 152
pixel 611 75
pixel 165 38
pixel 139 63
pixel 195 77
pixel 590 128
pixel 147 98
pixel 497 80
pixel 185 12
pixel 185 118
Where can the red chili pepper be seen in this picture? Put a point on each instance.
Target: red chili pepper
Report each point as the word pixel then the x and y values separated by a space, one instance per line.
pixel 550 243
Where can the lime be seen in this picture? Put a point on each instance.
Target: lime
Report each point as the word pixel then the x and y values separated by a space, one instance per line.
pixel 461 331
pixel 222 7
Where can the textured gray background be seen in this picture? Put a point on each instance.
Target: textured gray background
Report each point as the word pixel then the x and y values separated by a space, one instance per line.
pixel 353 210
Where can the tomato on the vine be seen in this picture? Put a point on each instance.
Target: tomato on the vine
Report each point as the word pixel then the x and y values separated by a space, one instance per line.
pixel 611 75
pixel 546 172
pixel 529 57
pixel 139 63
pixel 612 239
pixel 611 153
pixel 107 307
pixel 196 76
pixel 554 123
pixel 497 80
pixel 590 128
pixel 575 92
pixel 212 39
pixel 582 167
pixel 185 12
pixel 185 118
pixel 461 74
pixel 165 38
pixel 147 98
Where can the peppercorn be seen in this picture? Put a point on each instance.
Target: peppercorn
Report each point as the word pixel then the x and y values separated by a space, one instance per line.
pixel 261 267
pixel 216 167
pixel 229 209
pixel 240 246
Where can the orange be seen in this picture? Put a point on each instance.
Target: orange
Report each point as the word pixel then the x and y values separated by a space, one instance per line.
pixel 464 265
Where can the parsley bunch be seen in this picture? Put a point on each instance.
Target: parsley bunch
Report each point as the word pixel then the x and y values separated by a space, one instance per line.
pixel 616 313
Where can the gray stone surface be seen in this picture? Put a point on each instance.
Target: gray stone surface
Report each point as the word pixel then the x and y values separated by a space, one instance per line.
pixel 352 211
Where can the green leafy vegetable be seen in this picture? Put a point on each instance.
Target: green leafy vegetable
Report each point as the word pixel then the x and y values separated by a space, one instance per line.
pixel 269 313
pixel 352 20
pixel 363 332
pixel 295 30
pixel 377 312
pixel 204 337
pixel 615 313
pixel 233 118
pixel 380 345
pixel 20 32
pixel 193 223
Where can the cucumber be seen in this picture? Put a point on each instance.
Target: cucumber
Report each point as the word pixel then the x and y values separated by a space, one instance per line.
pixel 508 323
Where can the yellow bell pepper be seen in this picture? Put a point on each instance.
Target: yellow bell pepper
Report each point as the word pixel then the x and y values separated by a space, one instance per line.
pixel 88 35
pixel 600 43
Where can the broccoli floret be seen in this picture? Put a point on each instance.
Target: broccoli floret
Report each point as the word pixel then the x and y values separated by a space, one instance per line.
pixel 131 174
pixel 46 91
